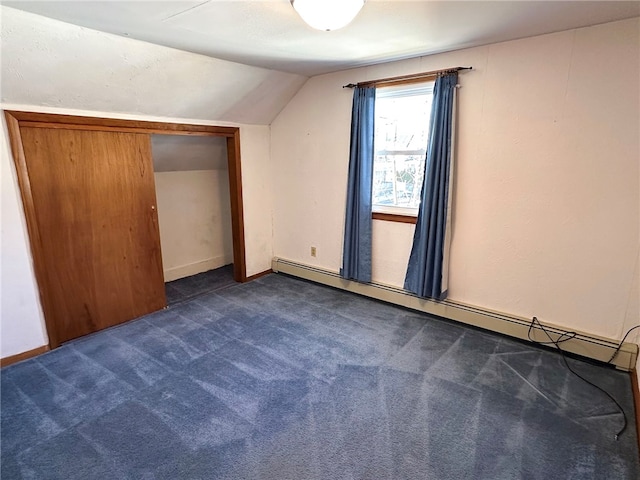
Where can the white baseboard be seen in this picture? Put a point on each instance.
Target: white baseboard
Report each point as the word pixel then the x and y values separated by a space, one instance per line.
pixel 584 344
pixel 182 271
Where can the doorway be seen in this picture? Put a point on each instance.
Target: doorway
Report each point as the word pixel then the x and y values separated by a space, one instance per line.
pixel 194 213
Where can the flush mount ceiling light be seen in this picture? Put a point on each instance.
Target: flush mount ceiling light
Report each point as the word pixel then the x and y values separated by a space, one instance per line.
pixel 327 14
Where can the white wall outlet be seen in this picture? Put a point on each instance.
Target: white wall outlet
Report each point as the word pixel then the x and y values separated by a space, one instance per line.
pixel 313 251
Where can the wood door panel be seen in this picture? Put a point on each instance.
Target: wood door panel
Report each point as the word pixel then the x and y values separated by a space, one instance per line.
pixel 94 198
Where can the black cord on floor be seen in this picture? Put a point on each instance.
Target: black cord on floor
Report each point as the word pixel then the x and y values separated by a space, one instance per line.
pixel 568 336
pixel 621 342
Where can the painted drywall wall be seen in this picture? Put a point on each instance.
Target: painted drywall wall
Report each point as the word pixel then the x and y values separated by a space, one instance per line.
pixel 632 307
pixel 52 63
pixel 194 216
pixel 546 203
pixel 178 153
pixel 257 193
pixel 21 320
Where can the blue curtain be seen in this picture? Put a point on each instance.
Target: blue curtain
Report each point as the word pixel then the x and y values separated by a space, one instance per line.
pixel 356 253
pixel 425 270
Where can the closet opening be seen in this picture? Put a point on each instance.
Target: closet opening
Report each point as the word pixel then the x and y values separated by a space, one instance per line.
pixel 97 254
pixel 194 214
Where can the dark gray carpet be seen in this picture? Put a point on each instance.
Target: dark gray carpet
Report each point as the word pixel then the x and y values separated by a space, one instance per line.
pixel 190 287
pixel 284 379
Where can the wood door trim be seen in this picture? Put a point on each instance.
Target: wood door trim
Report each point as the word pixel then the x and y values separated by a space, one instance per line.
pixel 98 128
pixel 16 120
pixel 6 361
pixel 35 239
pixel 636 401
pixel 51 120
pixel 258 275
pixel 237 210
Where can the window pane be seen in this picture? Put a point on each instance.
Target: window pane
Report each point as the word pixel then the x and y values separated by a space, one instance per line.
pixel 397 180
pixel 402 128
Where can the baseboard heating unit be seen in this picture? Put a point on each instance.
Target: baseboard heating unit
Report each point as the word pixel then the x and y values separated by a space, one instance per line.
pixel 584 344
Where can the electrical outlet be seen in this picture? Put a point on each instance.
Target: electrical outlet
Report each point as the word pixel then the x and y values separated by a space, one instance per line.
pixel 313 251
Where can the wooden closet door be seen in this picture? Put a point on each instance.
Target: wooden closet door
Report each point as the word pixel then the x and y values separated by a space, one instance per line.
pixel 95 206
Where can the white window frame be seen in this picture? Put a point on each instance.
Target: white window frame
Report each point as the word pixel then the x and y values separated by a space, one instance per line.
pixel 413 89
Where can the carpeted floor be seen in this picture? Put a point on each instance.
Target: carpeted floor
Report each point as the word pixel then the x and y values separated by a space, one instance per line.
pixel 189 287
pixel 283 379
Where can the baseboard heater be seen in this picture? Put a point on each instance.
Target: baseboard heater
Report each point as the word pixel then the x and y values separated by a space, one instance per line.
pixel 586 345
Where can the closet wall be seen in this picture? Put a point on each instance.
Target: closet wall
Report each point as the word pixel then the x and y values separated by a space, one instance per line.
pixel 194 211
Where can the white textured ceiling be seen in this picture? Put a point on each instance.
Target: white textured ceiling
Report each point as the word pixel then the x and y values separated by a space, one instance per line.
pixel 270 34
pixel 46 62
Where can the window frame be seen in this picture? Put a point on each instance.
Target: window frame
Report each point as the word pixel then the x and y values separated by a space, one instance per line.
pixel 413 87
pixel 394 217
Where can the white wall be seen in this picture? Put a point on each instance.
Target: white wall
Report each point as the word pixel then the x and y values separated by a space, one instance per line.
pixel 21 319
pixel 194 215
pixel 258 198
pixel 546 204
pixel 177 153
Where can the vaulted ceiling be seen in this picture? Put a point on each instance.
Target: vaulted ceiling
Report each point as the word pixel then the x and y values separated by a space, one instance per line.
pixel 269 33
pixel 236 61
pixel 48 63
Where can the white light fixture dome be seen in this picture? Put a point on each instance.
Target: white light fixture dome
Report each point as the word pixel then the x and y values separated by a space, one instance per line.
pixel 327 14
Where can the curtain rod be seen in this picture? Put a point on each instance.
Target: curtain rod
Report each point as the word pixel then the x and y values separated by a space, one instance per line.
pixel 414 76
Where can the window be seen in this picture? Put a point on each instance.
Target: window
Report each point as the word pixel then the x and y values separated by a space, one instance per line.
pixel 401 135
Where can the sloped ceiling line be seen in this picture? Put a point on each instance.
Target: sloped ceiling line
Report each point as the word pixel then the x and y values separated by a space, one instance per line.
pixel 46 62
pixel 270 34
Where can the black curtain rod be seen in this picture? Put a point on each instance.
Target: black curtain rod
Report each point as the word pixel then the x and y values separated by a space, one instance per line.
pixel 414 76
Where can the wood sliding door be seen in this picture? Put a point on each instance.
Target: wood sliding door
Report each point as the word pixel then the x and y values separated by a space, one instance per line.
pixel 88 192
pixel 94 206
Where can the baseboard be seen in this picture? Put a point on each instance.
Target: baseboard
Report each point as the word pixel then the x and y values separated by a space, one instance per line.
pixel 584 344
pixel 182 271
pixel 23 356
pixel 636 401
pixel 258 275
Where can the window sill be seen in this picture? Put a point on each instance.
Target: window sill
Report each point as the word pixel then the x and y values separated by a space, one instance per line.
pixel 394 217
